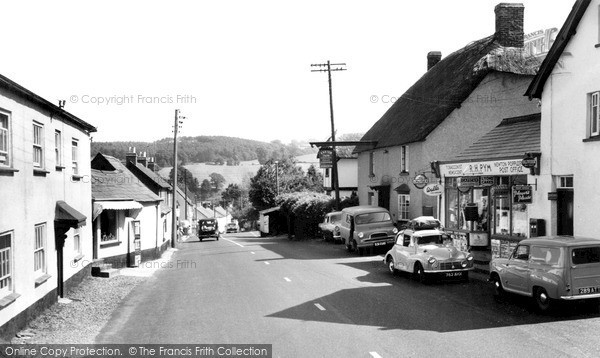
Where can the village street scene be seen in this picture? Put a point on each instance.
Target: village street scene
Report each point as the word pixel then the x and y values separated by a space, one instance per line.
pixel 300 180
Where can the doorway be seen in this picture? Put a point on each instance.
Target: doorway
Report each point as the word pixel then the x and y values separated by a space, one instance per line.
pixel 564 212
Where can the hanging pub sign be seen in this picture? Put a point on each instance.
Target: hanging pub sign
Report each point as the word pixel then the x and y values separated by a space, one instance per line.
pixel 420 181
pixel 326 158
pixel 522 194
pixel 433 189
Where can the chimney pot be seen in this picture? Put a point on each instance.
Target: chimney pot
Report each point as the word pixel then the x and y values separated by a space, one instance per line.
pixel 509 24
pixel 433 57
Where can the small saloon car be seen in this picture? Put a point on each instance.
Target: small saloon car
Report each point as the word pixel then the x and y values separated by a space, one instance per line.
pixel 366 227
pixel 550 268
pixel 232 227
pixel 330 227
pixel 426 253
pixel 208 228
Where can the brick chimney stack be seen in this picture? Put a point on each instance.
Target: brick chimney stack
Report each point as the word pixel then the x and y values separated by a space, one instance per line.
pixel 131 156
pixel 509 24
pixel 151 163
pixel 433 58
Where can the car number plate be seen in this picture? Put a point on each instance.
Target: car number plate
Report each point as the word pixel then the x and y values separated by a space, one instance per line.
pixel 380 243
pixel 587 290
pixel 454 274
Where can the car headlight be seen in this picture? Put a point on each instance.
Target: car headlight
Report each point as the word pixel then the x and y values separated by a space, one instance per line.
pixel 336 229
pixel 395 230
pixel 432 261
pixel 464 264
pixel 470 258
pixel 360 235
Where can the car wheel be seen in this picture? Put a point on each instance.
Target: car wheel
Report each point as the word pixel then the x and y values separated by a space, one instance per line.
pixel 419 273
pixel 498 290
pixel 390 265
pixel 542 300
pixel 200 239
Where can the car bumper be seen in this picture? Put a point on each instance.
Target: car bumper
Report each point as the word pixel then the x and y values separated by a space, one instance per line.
pixel 580 297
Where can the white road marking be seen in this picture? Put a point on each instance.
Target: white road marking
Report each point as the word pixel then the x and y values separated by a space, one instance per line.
pixel 374 355
pixel 287 279
pixel 267 263
pixel 320 307
pixel 240 245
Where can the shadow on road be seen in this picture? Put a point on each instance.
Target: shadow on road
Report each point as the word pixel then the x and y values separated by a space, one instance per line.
pixel 438 306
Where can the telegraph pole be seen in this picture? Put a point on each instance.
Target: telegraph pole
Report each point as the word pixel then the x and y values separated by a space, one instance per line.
pixel 176 127
pixel 326 67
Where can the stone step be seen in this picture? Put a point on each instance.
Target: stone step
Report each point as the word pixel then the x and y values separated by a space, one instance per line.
pixel 108 273
pixel 100 267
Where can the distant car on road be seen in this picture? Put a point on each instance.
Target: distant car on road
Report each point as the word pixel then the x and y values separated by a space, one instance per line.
pixel 208 228
pixel 231 227
pixel 426 252
pixel 550 268
pixel 366 227
pixel 330 227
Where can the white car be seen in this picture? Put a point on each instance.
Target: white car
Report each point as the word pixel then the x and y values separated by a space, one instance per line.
pixel 426 253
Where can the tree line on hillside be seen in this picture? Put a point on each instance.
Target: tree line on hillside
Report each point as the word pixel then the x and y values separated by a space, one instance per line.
pixel 204 149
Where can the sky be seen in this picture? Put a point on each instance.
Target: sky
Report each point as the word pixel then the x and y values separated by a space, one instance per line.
pixel 237 68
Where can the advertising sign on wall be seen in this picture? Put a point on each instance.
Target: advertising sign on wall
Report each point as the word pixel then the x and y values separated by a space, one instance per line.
pixel 522 194
pixel 433 189
pixel 492 167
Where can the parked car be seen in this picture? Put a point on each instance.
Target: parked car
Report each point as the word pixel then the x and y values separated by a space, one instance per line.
pixel 330 227
pixel 231 227
pixel 550 268
pixel 366 227
pixel 208 228
pixel 427 253
pixel 423 223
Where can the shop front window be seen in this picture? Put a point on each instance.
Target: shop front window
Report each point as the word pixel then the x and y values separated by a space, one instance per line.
pixel 452 204
pixel 501 215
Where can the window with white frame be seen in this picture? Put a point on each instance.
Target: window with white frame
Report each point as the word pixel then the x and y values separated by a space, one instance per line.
pixel 77 242
pixel 565 182
pixel 404 159
pixel 5 263
pixel 403 206
pixel 75 155
pixel 39 252
pixel 38 145
pixel 595 114
pixel 4 139
pixel 58 147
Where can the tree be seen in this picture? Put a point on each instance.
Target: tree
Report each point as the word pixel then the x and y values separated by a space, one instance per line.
pixel 205 189
pixel 185 178
pixel 217 181
pixel 261 155
pixel 314 180
pixel 232 194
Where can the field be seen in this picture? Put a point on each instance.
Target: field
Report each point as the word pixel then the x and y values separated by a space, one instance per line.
pixel 235 174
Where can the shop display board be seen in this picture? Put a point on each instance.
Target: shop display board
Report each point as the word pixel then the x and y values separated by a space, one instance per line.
pixel 502 248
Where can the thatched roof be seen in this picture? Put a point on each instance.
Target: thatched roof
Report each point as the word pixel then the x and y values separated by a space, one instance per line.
pixel 444 88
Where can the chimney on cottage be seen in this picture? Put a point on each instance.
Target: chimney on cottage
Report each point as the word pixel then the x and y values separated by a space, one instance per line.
pixel 151 163
pixel 131 156
pixel 142 159
pixel 509 24
pixel 433 57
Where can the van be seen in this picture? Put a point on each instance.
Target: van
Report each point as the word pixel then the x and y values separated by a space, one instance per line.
pixel 366 227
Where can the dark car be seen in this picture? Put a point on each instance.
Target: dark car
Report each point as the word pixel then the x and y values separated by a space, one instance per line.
pixel 208 228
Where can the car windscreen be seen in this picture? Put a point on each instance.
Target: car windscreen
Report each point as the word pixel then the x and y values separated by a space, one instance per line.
pixel 430 239
pixel 335 218
pixel 586 255
pixel 371 218
pixel 207 222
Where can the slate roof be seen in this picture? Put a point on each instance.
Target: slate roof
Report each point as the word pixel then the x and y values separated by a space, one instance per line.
pixel 513 137
pixel 149 174
pixel 111 180
pixel 442 89
pixel 567 31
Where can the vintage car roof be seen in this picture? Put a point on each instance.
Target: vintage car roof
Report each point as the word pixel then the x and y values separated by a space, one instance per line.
pixel 427 232
pixel 558 240
pixel 362 209
pixel 334 213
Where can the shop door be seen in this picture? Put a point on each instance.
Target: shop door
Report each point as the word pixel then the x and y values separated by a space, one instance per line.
pixel 383 197
pixel 565 212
